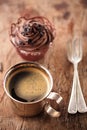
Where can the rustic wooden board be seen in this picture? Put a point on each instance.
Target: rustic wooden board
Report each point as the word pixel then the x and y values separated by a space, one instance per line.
pixel 67 16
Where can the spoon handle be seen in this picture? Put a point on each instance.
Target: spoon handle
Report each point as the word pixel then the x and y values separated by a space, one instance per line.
pixel 81 105
pixel 72 107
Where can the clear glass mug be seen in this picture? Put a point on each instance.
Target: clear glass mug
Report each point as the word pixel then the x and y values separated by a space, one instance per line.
pixel 32 108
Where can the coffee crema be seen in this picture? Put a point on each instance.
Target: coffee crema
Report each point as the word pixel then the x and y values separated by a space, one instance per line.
pixel 29 85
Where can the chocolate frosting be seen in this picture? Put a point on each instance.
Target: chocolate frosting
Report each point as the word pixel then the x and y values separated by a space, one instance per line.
pixel 33 33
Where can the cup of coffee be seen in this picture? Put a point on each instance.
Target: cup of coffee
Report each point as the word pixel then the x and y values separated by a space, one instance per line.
pixel 28 85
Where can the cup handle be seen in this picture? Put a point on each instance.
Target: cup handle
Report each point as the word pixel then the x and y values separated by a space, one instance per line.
pixel 49 109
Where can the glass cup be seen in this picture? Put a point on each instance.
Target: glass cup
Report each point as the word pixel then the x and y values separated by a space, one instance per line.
pixel 35 105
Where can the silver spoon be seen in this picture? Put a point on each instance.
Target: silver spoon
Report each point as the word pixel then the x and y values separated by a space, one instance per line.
pixel 74 52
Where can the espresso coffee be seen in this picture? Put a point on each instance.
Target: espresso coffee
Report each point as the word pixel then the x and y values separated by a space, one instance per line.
pixel 29 85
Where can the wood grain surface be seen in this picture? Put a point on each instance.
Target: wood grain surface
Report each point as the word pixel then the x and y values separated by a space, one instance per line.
pixel 68 17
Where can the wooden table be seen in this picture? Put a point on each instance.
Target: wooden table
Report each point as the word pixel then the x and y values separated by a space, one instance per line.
pixel 67 16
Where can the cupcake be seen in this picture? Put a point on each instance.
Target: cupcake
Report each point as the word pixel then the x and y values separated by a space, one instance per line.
pixel 32 37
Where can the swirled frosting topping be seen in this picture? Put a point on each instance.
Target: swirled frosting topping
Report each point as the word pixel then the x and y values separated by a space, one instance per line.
pixel 32 33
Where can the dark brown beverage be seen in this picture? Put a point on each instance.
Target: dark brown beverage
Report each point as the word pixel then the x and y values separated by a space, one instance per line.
pixel 28 85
